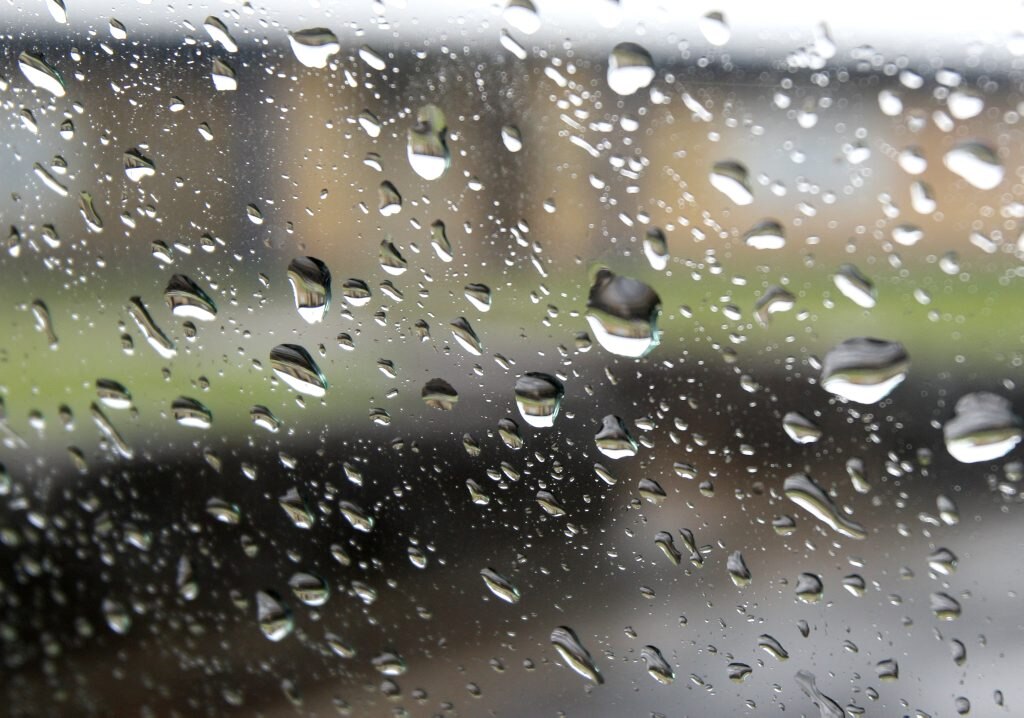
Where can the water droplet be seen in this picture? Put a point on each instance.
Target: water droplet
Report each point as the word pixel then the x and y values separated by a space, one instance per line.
pixel 512 138
pixel 976 163
pixel 356 517
pixel 274 617
pixel 116 616
pixel 800 429
pixel 117 29
pixel 522 16
pixel 220 34
pixel 264 418
pixel 656 249
pixel 223 511
pixel 802 490
pixel 738 672
pixel 295 508
pixel 657 667
pixel 137 167
pixel 479 295
pixel 309 588
pixel 774 300
pixel 964 104
pixel 37 71
pixel 311 286
pixel 439 394
pixel 550 504
pixel 614 439
pixel 630 68
pixel 192 413
pixel 87 208
pixel 731 179
pixel 864 370
pixel 623 314
pixel 314 47
pixel 439 241
pixel 855 286
pixel 855 470
pixel 827 708
pixel 983 428
pixel 944 606
pixel 942 561
pixel 466 337
pixel 368 55
pixel 568 645
pixel 664 541
pixel 223 76
pixel 767 234
pixel 390 664
pixel 809 587
pixel 771 646
pixel 339 647
pixel 500 586
pixel 389 201
pixel 296 368
pixel 651 491
pixel 187 299
pixel 539 397
pixel 58 11
pixel 714 28
pixel 113 394
pixel 738 571
pixel 154 335
pixel 44 321
pixel 427 146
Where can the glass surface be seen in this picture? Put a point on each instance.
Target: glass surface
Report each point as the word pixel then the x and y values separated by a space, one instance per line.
pixel 470 359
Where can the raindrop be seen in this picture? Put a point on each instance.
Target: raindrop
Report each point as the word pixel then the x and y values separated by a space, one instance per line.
pixel 466 337
pixel 827 708
pixel 223 76
pixel 975 163
pixel 767 234
pixel 44 321
pixel 800 429
pixel 137 167
pixel 730 178
pixel 614 440
pixel 630 68
pixel 809 587
pixel 311 286
pixel 983 428
pixel 771 646
pixel 539 398
pixel 58 10
pixel 550 504
pixel 220 34
pixel 274 617
pixel 295 508
pixel 389 201
pixel 439 241
pixel 623 314
pixel 296 368
pixel 864 370
pixel 522 16
pixel 309 588
pixel 656 249
pixel 499 585
pixel 738 571
pixel 192 413
pixel 657 667
pixel 264 418
pixel 714 28
pixel 186 299
pixel 855 286
pixel 512 138
pixel 568 645
pixel 154 335
pixel 427 145
pixel 116 616
pixel 942 561
pixel 773 301
pixel 738 672
pixel 479 295
pixel 113 394
pixel 314 47
pixel 37 71
pixel 802 490
pixel 439 394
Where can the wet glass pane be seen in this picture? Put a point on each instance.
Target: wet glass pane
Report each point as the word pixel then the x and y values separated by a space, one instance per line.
pixel 511 358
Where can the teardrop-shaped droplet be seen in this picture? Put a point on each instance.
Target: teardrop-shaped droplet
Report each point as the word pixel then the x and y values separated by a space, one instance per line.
pixel 309 588
pixel 58 11
pixel 802 490
pixel 499 585
pixel 295 508
pixel 357 518
pixel 809 587
pixel 623 314
pixel 630 68
pixel 738 571
pixel 944 606
pixel 391 260
pixel 439 241
pixel 656 249
pixel 427 146
pixel 186 299
pixel 800 429
pixel 296 368
pixel 731 179
pixel 512 138
pixel 539 398
pixel 614 440
pixel 274 617
pixel 855 286
pixel 657 667
pixel 466 337
pixel 311 287
pixel 113 394
pixel 575 655
pixel 983 428
pixel 356 292
pixel 714 28
pixel 223 76
pixel 389 201
pixel 314 47
pixel 41 74
pixel 479 295
pixel 864 370
pixel 219 33
pixel 154 335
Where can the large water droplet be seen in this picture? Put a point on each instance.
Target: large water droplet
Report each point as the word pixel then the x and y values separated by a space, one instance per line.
pixel 37 71
pixel 614 440
pixel 311 286
pixel 657 667
pixel 499 585
pixel 137 167
pixel 976 163
pixel 314 47
pixel 539 397
pixel 802 490
pixel 427 146
pixel 223 76
pixel 630 68
pixel 220 34
pixel 767 234
pixel 439 394
pixel 623 314
pixel 309 588
pixel 983 428
pixel 154 335
pixel 191 412
pixel 714 28
pixel 855 286
pixel 296 368
pixel 730 178
pixel 186 299
pixel 568 645
pixel 522 16
pixel 864 370
pixel 274 617
pixel 827 708
pixel 466 337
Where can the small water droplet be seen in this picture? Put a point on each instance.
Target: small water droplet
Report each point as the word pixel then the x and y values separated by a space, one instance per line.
pixel 767 234
pixel 439 394
pixel 539 398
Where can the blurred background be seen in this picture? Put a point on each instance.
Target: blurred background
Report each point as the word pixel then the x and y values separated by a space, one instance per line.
pixel 129 585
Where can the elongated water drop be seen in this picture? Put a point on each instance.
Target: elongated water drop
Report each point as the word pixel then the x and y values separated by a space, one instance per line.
pixel 827 708
pixel 864 370
pixel 466 337
pixel 137 167
pixel 767 234
pixel 802 490
pixel 186 299
pixel 714 28
pixel 41 74
pixel 427 145
pixel 575 655
pixel 314 47
pixel 223 76
pixel 274 617
pixel 499 585
pixel 154 335
pixel 855 286
pixel 310 280
pixel 219 33
pixel 976 163
pixel 800 429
